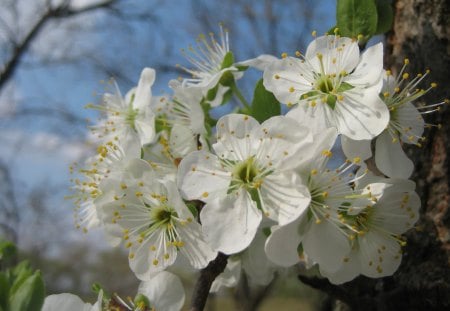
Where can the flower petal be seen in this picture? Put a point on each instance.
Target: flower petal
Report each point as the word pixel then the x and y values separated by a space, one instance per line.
pixel 165 291
pixel 390 158
pixel 230 224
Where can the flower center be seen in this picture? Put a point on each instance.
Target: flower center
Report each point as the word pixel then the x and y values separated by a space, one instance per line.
pixel 245 172
pixel 324 84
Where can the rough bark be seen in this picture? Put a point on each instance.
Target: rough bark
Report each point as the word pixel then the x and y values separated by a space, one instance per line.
pixel 421 33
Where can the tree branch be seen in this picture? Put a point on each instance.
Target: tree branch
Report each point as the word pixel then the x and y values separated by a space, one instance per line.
pixel 205 280
pixel 20 48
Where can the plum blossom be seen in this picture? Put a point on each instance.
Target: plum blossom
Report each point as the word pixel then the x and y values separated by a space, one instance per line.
pixel 332 85
pixel 248 176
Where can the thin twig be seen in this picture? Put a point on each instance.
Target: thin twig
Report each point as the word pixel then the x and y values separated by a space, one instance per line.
pixel 205 280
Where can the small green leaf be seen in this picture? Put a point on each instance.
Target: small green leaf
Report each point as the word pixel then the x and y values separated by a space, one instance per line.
pixel 331 101
pixel 4 292
pixel 211 94
pixel 385 16
pixel 192 208
pixel 241 68
pixel 356 17
pixel 344 86
pixel 228 60
pixel 30 295
pixel 309 94
pixel 19 274
pixel 264 104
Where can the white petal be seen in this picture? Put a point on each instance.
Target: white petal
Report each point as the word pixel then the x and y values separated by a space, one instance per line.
pixel 196 250
pixel 281 245
pixel 347 272
pixel 233 137
pixel 260 62
pixel 285 143
pixel 411 121
pixel 390 158
pixel 362 114
pixel 380 255
pixel 143 92
pixel 229 277
pixel 145 126
pixel 200 177
pixel 182 141
pixel 370 68
pixel 314 118
pixel 282 75
pixel 230 224
pixel 165 291
pixel 284 198
pixel 326 245
pixel 65 302
pixel 255 263
pixel 344 49
pixel 356 148
pixel 397 212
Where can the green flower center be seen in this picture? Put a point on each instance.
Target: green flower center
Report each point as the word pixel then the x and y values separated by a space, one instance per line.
pixel 324 84
pixel 245 172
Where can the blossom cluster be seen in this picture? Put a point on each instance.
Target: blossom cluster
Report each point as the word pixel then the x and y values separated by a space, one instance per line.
pixel 259 184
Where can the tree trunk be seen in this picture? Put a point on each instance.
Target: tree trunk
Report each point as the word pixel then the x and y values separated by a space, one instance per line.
pixel 421 33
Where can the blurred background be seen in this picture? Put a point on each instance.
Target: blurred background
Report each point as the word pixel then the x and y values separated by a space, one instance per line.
pixel 54 57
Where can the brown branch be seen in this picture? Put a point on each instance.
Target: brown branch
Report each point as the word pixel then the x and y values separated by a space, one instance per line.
pixel 205 280
pixel 20 48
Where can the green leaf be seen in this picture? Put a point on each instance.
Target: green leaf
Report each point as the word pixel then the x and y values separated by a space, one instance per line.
pixel 192 208
pixel 228 60
pixel 385 16
pixel 19 275
pixel 4 292
pixel 30 295
pixel 264 104
pixel 356 17
pixel 331 101
pixel 309 94
pixel 344 86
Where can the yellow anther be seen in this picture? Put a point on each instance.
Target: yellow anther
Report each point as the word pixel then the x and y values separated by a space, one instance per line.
pixel 205 194
pixel 298 54
pixel 131 256
pixel 433 85
pixel 313 172
pixel 314 33
pixel 406 61
pixel 291 89
pixel 166 256
pixel 138 194
pixel 155 262
pixel 313 103
pixel 284 55
pixel 276 77
pixel 327 153
pixel 318 221
pixel 356 160
pixel 102 151
pixel 405 76
pixel 386 94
